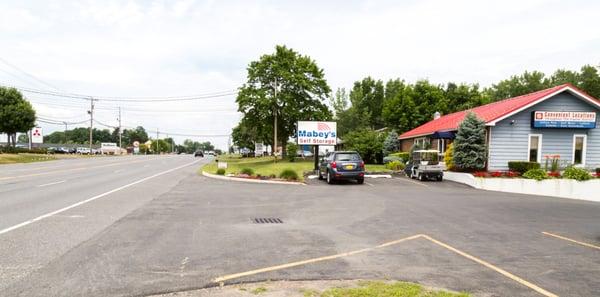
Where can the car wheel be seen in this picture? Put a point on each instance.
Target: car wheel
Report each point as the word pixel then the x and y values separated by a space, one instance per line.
pixel 360 181
pixel 329 179
pixel 421 177
pixel 319 174
pixel 439 178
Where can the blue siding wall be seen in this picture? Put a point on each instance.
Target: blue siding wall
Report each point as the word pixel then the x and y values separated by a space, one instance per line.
pixel 509 142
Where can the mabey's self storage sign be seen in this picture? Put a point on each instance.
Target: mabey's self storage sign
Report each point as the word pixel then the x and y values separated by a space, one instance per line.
pixel 317 133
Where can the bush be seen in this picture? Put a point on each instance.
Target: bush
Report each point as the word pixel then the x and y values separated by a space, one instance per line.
pixel 577 174
pixel 522 166
pixel 598 172
pixel 396 165
pixel 537 174
pixel 221 171
pixel 19 150
pixel 368 143
pixel 288 174
pixel 247 171
pixel 291 150
pixel 496 174
pixel 448 155
pixel 389 159
pixel 402 155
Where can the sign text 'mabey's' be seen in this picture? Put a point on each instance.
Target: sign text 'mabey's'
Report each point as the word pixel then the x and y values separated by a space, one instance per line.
pixel 317 133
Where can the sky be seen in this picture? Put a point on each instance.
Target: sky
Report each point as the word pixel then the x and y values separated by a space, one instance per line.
pixel 133 49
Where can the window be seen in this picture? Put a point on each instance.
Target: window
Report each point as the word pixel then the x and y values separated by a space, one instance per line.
pixel 579 147
pixel 422 142
pixel 534 151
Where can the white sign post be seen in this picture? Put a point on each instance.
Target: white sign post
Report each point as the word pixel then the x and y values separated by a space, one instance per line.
pixel 259 149
pixel 36 135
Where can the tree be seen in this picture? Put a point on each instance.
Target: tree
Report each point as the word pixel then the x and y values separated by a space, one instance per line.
pixel 285 85
pixel 368 143
pixel 469 144
pixel 399 109
pixel 391 144
pixel 16 114
pixel 367 100
pixel 129 136
pixel 23 138
pixel 589 80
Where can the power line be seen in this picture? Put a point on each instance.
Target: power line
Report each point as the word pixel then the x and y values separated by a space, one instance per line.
pixel 28 74
pixel 126 99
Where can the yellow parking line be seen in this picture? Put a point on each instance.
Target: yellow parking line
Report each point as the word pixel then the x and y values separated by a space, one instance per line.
pixel 495 268
pixel 308 261
pixel 572 240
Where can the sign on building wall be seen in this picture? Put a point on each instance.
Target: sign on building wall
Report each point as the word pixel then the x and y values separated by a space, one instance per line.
pixel 563 119
pixel 317 133
pixel 36 135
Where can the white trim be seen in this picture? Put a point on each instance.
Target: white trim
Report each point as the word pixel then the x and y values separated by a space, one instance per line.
pixel 566 88
pixel 539 154
pixel 583 153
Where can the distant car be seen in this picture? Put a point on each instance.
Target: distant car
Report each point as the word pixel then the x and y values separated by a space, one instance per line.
pixel 342 165
pixel 83 150
pixel 198 154
pixel 304 153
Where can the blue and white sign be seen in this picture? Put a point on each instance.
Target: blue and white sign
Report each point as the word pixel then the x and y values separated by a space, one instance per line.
pixel 564 119
pixel 317 133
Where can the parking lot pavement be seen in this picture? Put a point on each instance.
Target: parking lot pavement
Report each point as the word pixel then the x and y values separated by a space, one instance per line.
pixel 440 234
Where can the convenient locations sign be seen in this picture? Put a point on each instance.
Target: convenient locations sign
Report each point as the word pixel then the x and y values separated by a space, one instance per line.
pixel 564 119
pixel 317 133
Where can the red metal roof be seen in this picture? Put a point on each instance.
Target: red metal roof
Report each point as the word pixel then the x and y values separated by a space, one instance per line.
pixel 492 111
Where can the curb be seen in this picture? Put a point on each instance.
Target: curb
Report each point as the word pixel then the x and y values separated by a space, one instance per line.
pixel 246 180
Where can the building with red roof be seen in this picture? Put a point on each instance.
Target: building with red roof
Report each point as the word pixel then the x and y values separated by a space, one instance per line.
pixel 561 120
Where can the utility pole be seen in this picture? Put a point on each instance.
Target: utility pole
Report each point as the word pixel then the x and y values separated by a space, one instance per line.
pixel 275 122
pixel 120 132
pixel 91 112
pixel 156 140
pixel 65 132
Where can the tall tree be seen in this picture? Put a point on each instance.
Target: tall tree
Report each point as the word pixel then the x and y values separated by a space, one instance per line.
pixel 16 114
pixel 367 98
pixel 589 80
pixel 285 85
pixel 469 144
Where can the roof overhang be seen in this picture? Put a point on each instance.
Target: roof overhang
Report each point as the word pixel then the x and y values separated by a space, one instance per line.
pixel 571 90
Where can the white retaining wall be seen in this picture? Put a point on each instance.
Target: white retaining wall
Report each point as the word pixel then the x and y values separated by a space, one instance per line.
pixel 565 188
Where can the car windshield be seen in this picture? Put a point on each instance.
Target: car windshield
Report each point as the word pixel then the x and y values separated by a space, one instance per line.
pixel 347 157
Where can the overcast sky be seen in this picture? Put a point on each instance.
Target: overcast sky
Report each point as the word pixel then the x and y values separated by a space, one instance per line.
pixel 173 48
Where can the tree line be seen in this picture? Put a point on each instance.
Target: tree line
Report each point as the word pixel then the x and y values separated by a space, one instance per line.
pixel 286 87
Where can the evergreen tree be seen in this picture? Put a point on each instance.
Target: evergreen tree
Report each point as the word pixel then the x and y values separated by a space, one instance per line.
pixel 469 145
pixel 391 143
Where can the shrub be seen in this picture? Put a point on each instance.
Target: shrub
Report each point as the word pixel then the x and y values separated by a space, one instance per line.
pixel 272 175
pixel 576 173
pixel 537 174
pixel 448 155
pixel 402 155
pixel 368 143
pixel 522 166
pixel 391 143
pixel 288 174
pixel 19 150
pixel 291 150
pixel 391 158
pixel 248 171
pixel 221 171
pixel 597 171
pixel 396 165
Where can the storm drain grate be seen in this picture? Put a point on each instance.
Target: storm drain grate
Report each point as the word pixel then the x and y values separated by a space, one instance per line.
pixel 267 221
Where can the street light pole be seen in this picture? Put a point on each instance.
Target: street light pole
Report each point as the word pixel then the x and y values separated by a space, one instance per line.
pixel 120 132
pixel 275 122
pixel 91 112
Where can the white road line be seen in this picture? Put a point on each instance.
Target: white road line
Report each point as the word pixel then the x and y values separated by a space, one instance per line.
pixel 49 184
pixel 92 198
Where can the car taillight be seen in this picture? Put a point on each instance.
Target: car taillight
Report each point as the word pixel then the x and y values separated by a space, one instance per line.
pixel 362 164
pixel 333 165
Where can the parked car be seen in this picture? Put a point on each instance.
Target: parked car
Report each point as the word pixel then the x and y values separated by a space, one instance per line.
pixel 342 165
pixel 425 165
pixel 198 154
pixel 301 153
pixel 83 150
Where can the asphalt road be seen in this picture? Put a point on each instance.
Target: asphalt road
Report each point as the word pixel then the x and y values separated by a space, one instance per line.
pixel 180 231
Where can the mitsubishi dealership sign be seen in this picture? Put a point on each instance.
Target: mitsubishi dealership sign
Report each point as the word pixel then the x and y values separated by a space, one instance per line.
pixel 564 119
pixel 317 133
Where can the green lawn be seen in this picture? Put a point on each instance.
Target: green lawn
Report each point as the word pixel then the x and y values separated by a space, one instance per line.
pixel 396 289
pixel 24 158
pixel 265 166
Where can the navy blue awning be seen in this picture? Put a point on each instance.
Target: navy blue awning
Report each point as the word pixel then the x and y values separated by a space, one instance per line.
pixel 442 135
